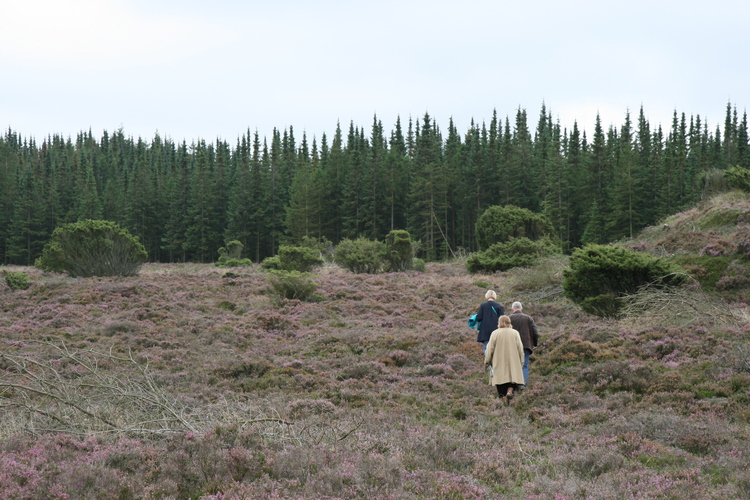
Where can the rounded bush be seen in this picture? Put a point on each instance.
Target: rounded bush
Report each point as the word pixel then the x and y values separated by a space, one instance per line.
pixel 92 248
pixel 291 258
pixel 399 251
pixel 293 285
pixel 517 252
pixel 499 224
pixel 738 177
pixel 231 256
pixel 16 281
pixel 360 255
pixel 600 275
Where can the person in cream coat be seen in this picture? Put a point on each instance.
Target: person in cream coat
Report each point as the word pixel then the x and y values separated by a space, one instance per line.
pixel 504 356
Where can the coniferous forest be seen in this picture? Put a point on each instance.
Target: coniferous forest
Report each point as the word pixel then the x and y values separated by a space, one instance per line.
pixel 185 201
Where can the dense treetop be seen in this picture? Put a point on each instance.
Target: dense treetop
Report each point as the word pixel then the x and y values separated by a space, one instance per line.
pixel 185 201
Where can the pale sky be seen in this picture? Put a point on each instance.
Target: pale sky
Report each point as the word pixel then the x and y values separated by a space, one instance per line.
pixel 191 69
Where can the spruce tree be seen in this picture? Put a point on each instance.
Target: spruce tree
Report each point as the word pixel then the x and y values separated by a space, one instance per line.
pixel 8 192
pixel 27 232
pixel 202 235
pixel 397 179
pixel 599 166
pixel 302 216
pixel 557 203
pixel 374 198
pixel 523 174
pixel 141 198
pixel 427 191
pixel 176 191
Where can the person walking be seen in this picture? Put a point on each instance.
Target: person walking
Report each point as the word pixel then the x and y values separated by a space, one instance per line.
pixel 526 328
pixel 504 355
pixel 488 313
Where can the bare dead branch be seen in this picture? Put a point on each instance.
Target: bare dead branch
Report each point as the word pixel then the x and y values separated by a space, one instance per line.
pixel 677 305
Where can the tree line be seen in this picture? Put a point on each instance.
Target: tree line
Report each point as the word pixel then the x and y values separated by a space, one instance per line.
pixel 185 202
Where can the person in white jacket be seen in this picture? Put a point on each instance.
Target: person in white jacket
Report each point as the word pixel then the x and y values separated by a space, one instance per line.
pixel 505 356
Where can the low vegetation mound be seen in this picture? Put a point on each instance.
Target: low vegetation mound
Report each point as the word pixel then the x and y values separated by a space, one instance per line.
pixel 92 248
pixel 601 275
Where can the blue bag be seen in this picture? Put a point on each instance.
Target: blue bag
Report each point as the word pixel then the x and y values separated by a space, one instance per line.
pixel 473 323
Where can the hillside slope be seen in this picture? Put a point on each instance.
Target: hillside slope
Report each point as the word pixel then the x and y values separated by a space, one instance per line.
pixel 376 392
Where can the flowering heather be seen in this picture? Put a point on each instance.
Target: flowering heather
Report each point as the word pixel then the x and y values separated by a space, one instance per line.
pixel 189 381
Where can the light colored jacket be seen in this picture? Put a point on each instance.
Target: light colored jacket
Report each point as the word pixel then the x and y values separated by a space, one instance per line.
pixel 505 353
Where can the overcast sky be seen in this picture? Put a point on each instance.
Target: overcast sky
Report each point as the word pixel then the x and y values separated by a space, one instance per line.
pixel 191 69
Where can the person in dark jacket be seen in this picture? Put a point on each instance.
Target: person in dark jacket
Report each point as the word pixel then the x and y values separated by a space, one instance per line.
pixel 524 324
pixel 488 313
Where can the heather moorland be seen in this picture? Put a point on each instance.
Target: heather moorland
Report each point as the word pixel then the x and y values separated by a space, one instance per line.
pixel 192 381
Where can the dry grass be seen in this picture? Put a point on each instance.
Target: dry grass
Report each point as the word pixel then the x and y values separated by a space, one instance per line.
pixel 680 306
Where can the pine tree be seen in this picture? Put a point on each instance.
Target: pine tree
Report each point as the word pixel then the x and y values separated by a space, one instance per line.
pixel 546 147
pixel 427 194
pixel 87 203
pixel 622 192
pixel 333 164
pixel 523 175
pixel 576 158
pixel 508 169
pixel 141 198
pixel 672 178
pixel 260 224
pixel 354 184
pixel 397 179
pixel 730 138
pixel 558 200
pixel 222 172
pixel 743 147
pixel 27 232
pixel 8 181
pixel 374 198
pixel 595 228
pixel 648 171
pixel 276 210
pixel 302 216
pixel 176 192
pixel 459 195
pixel 202 234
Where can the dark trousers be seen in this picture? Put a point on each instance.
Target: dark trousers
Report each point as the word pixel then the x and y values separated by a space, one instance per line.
pixel 502 389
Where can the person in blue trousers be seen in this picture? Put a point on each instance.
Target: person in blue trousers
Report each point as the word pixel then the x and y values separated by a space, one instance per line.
pixel 524 324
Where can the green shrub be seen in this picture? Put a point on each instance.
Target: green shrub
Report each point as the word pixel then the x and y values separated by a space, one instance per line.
pixel 231 256
pixel 271 263
pixel 16 281
pixel 600 275
pixel 92 248
pixel 235 263
pixel 738 177
pixel 290 258
pixel 322 246
pixel 418 264
pixel 293 285
pixel 398 250
pixel 499 224
pixel 360 255
pixel 517 252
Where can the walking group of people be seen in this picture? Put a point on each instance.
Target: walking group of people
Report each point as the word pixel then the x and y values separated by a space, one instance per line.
pixel 507 342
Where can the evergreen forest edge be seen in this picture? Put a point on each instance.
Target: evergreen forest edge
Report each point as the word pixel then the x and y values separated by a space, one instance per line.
pixel 185 201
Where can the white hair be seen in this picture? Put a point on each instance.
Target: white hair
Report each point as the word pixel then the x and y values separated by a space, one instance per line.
pixel 490 294
pixel 517 305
